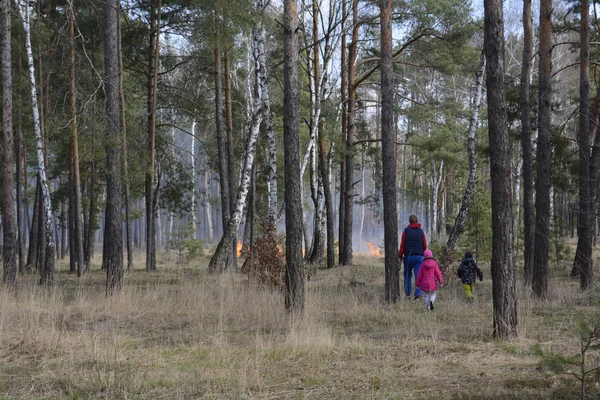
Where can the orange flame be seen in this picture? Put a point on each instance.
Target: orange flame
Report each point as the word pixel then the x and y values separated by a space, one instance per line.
pixel 374 250
pixel 238 248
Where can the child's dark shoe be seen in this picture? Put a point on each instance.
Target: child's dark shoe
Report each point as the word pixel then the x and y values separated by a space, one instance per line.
pixel 431 306
pixel 417 297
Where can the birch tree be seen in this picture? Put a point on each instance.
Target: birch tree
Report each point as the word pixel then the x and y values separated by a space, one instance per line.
pixel 466 201
pixel 224 248
pixel 47 249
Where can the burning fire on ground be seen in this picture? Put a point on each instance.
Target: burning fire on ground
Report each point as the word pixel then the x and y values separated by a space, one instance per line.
pixel 238 248
pixel 374 251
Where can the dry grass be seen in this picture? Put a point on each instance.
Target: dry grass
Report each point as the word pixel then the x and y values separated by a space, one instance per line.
pixel 182 333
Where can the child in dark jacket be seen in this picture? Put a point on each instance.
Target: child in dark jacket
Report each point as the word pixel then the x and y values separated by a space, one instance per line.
pixel 468 272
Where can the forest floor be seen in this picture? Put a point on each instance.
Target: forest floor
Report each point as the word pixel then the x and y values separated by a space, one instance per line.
pixel 180 333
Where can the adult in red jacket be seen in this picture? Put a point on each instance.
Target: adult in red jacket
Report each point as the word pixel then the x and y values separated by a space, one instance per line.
pixel 412 247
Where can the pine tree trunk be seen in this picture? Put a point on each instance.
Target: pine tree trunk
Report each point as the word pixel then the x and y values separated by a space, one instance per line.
pixel 19 197
pixel 583 256
pixel 230 154
pixel 124 148
pixel 294 293
pixel 544 153
pixel 89 233
pixel 343 87
pixel 390 224
pixel 47 269
pixel 113 226
pixel 9 222
pixel 349 182
pixel 32 253
pixel 221 144
pixel 503 267
pixel 525 102
pixel 77 206
pixel 153 54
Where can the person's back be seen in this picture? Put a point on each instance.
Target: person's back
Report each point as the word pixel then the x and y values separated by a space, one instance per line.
pixel 427 278
pixel 412 246
pixel 468 272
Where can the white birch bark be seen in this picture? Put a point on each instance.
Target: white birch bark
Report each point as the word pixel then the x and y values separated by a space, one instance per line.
pixel 193 163
pixel 462 213
pixel 262 76
pixel 48 269
pixel 517 201
pixel 362 198
pixel 217 262
pixel 171 214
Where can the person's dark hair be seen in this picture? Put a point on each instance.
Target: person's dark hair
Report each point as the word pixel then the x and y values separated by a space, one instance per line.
pixel 468 254
pixel 413 219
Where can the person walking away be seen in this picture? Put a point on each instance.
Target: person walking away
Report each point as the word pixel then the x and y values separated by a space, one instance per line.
pixel 427 278
pixel 468 272
pixel 412 246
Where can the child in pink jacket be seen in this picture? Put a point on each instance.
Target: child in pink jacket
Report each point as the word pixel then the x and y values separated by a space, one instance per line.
pixel 429 273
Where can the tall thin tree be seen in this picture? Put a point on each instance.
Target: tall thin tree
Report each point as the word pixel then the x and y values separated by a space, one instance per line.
pixel 221 140
pixel 503 266
pixel 9 254
pixel 76 202
pixel 526 146
pixel 47 245
pixel 343 87
pixel 294 293
pixel 390 211
pixel 113 225
pixel 152 93
pixel 351 119
pixel 583 256
pixel 544 153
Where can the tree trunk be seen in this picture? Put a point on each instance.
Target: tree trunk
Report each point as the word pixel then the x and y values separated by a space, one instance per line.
pixel 525 102
pixel 503 268
pixel 349 195
pixel 32 253
pixel 194 209
pixel 76 182
pixel 89 233
pixel 19 197
pixel 390 224
pixel 223 251
pixel 153 54
pixel 9 223
pixel 343 87
pixel 459 222
pixel 229 149
pixel 221 143
pixel 294 293
pixel 113 225
pixel 544 153
pixel 47 270
pixel 124 148
pixel 583 256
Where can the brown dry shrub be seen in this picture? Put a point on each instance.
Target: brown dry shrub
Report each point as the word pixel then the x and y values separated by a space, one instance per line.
pixel 265 264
